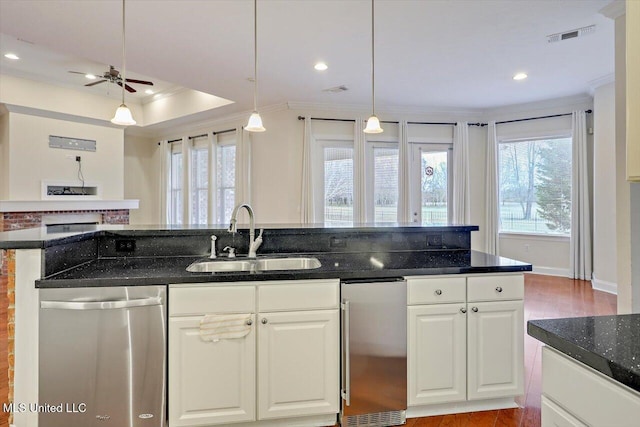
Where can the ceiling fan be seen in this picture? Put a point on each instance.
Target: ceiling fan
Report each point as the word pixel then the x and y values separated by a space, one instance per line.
pixel 113 76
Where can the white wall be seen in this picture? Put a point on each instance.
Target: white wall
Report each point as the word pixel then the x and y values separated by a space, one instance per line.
pixel 141 180
pixel 604 182
pixel 4 155
pixel 32 161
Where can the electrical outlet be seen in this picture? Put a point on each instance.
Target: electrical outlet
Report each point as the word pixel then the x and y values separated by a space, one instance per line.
pixel 125 245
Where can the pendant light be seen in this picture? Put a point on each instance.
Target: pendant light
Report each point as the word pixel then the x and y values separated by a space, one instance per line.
pixel 123 114
pixel 373 124
pixel 255 121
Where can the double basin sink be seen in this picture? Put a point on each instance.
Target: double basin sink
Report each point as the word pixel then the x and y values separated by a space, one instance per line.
pixel 254 265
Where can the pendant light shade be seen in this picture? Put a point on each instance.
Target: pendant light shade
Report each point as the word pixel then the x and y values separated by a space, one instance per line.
pixel 373 124
pixel 123 115
pixel 255 121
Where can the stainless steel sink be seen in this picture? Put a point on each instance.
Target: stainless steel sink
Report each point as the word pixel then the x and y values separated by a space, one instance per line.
pixel 255 265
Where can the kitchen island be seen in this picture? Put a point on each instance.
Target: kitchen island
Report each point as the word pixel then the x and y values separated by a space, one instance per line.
pixel 590 370
pixel 443 276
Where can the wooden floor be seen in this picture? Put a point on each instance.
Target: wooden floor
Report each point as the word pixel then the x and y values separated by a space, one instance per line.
pixel 545 297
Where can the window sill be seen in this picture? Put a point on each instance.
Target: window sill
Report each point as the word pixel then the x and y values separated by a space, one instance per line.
pixel 535 236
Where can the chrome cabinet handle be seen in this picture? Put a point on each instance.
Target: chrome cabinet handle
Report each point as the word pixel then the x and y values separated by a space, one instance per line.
pixel 474 309
pixel 498 289
pixel 438 292
pixel 101 305
pixel 264 320
pixel 463 310
pixel 249 322
pixel 346 362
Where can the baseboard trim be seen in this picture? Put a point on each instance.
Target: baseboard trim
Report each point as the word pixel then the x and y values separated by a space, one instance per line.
pixel 604 286
pixel 551 271
pixel 460 407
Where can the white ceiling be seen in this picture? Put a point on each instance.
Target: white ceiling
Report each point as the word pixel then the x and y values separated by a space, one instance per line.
pixel 429 53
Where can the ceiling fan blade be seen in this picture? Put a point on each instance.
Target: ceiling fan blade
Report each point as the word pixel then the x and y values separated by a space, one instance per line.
pixel 77 72
pixel 127 87
pixel 95 83
pixel 140 82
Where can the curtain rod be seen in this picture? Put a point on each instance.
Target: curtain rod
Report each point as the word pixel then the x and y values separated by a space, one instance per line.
pixel 198 136
pixel 541 117
pixel 431 123
pixel 224 131
pixel 381 121
pixel 328 120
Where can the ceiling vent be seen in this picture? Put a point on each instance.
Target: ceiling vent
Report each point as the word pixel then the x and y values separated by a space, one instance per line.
pixel 571 34
pixel 336 89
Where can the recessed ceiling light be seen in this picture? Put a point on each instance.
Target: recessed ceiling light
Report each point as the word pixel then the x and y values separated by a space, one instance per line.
pixel 148 92
pixel 11 56
pixel 90 76
pixel 320 66
pixel 520 76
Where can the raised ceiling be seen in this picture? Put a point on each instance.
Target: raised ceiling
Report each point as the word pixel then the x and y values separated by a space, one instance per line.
pixel 441 54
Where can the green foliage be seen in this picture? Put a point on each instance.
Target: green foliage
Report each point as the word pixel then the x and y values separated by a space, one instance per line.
pixel 553 191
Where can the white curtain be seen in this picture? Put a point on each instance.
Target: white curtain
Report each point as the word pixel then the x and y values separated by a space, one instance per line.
pixel 580 267
pixel 212 162
pixel 492 220
pixel 359 180
pixel 460 205
pixel 307 208
pixel 404 180
pixel 186 180
pixel 165 181
pixel 243 167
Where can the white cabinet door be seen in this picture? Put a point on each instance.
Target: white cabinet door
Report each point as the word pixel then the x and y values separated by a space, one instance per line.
pixel 436 352
pixel 298 363
pixel 495 349
pixel 209 383
pixel 554 416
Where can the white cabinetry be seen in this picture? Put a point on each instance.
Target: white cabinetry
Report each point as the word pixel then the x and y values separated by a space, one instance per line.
pixel 287 366
pixel 465 342
pixel 577 395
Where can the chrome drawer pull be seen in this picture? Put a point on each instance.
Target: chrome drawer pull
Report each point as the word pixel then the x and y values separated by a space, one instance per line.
pixel 463 310
pixel 249 322
pixel 438 292
pixel 264 320
pixel 499 289
pixel 474 309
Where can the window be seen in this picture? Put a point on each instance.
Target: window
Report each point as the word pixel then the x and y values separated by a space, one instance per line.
pixel 199 196
pixel 382 182
pixel 431 178
pixel 337 182
pixel 225 181
pixel 535 186
pixel 175 205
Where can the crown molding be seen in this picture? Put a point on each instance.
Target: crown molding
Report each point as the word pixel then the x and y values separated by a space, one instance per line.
pixel 600 81
pixel 567 103
pixel 614 10
pixel 20 109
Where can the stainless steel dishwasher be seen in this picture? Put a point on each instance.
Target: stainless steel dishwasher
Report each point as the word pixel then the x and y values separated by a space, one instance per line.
pixel 102 357
pixel 374 352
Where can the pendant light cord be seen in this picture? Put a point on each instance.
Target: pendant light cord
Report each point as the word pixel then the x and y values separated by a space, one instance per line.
pixel 373 73
pixel 255 55
pixel 124 80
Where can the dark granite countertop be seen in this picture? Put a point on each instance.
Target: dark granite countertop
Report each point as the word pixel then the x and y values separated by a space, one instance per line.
pixel 608 344
pixel 167 270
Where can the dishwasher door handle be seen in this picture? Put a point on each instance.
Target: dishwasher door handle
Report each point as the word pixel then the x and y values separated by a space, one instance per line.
pixel 101 305
pixel 346 362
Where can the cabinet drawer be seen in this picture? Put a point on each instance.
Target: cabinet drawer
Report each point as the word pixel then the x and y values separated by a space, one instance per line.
pixel 435 290
pixel 189 300
pixel 587 394
pixel 494 288
pixel 298 295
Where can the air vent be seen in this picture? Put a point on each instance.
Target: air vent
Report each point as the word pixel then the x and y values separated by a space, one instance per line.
pixel 571 34
pixel 378 419
pixel 336 89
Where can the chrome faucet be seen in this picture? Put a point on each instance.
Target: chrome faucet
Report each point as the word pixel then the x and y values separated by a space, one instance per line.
pixel 254 243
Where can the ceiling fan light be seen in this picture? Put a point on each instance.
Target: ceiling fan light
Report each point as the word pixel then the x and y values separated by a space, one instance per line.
pixel 255 123
pixel 373 125
pixel 123 116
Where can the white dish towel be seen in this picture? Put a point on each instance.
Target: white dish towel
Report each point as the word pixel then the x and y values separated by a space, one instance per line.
pixel 214 327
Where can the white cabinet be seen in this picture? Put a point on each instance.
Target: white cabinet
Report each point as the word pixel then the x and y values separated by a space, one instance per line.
pixel 554 416
pixel 288 366
pixel 210 383
pixel 465 340
pixel 298 367
pixel 437 353
pixel 495 349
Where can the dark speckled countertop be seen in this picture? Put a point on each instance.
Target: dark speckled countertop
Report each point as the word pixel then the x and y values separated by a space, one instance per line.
pixel 608 344
pixel 168 270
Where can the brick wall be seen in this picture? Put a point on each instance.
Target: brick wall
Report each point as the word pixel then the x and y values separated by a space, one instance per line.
pixel 15 221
